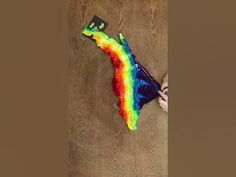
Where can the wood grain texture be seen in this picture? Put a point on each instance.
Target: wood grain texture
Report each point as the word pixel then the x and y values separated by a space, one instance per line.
pixel 100 145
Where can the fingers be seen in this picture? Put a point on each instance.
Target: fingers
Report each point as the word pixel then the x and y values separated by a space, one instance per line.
pixel 163 95
pixel 165 90
pixel 163 99
pixel 164 85
pixel 163 104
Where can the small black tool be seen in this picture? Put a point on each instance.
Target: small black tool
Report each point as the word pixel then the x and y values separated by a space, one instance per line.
pixel 98 24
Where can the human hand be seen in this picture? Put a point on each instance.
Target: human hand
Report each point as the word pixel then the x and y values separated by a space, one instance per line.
pixel 163 99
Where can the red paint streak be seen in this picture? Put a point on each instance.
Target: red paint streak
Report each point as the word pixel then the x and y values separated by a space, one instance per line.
pixel 118 81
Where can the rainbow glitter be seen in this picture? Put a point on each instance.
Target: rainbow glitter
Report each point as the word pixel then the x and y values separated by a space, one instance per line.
pixel 132 84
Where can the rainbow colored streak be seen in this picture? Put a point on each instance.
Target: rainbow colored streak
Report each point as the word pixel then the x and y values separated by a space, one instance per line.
pixel 124 82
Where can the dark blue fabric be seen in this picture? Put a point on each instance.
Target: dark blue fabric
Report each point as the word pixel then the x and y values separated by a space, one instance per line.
pixel 146 86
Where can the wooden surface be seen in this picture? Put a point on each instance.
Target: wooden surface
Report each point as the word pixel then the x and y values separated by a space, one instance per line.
pixel 100 145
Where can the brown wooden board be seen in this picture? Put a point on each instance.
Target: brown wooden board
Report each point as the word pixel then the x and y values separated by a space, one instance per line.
pixel 100 144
